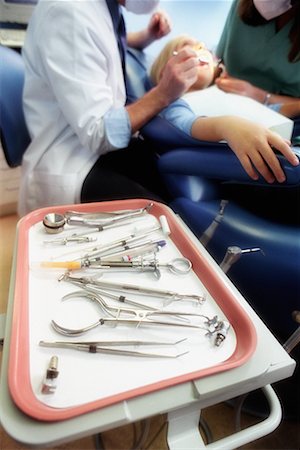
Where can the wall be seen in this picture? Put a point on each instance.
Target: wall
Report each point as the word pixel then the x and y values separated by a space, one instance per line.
pixel 203 19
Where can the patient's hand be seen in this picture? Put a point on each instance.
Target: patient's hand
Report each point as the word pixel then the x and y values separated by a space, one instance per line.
pixel 253 144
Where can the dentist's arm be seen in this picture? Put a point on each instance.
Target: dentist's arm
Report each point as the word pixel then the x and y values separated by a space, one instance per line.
pixel 178 76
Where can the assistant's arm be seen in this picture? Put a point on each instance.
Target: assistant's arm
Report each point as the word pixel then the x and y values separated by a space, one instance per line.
pixel 241 87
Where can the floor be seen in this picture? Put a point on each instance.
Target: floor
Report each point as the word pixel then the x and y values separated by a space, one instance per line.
pixel 219 418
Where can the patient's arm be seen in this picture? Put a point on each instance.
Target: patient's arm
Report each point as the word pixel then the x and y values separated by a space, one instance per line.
pixel 252 143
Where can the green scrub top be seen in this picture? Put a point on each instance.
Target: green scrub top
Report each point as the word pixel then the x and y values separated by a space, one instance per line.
pixel 259 55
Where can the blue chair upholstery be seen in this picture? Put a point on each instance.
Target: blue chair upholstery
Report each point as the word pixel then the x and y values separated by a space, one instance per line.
pixel 13 131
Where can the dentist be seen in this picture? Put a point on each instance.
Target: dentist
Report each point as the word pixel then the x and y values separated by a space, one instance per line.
pixel 82 130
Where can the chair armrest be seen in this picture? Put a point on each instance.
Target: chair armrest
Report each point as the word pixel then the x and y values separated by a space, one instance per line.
pixel 165 136
pixel 218 162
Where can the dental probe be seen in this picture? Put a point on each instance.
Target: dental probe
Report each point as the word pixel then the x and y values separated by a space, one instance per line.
pixel 111 347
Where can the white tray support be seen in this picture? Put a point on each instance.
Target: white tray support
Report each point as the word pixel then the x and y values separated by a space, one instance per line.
pixel 183 429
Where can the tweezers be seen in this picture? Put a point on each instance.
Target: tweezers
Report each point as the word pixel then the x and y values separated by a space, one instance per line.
pixel 108 347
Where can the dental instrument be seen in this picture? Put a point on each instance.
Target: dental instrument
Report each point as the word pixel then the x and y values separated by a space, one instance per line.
pixel 210 325
pixel 136 236
pixel 79 238
pixel 211 229
pixel 49 384
pixel 110 347
pixel 136 289
pixel 233 254
pixel 178 266
pixel 203 59
pixel 116 311
pixel 143 318
pixel 54 222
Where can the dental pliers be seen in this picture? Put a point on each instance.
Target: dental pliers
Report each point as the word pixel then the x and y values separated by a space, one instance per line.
pixel 140 316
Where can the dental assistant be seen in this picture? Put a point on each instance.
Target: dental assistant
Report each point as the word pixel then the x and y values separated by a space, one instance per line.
pixel 75 104
pixel 260 48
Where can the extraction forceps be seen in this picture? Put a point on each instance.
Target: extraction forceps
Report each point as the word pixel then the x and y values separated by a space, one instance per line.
pixel 140 316
pixel 117 311
pixel 213 326
pixel 111 347
pixel 55 222
pixel 133 288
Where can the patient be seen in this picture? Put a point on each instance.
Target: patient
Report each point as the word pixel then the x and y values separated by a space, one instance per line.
pixel 252 143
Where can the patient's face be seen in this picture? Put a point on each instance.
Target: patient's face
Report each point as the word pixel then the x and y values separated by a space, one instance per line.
pixel 207 64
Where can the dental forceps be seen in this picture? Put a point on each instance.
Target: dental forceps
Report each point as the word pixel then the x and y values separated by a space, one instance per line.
pixel 136 289
pixel 210 325
pixel 111 347
pixel 54 222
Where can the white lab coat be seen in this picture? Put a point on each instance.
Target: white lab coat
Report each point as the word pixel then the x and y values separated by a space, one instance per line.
pixel 73 78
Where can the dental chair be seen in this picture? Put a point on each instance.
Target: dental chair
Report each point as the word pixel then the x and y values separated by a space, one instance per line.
pixel 13 131
pixel 256 245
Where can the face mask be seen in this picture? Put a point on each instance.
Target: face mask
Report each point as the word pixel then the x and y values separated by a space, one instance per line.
pixel 141 6
pixel 270 9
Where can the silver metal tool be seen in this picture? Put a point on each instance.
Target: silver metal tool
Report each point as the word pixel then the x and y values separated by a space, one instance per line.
pixel 117 244
pixel 49 382
pixel 202 57
pixel 178 266
pixel 125 259
pixel 233 254
pixel 211 229
pixel 114 246
pixel 129 251
pixel 79 238
pixel 221 332
pixel 111 347
pixel 134 288
pixel 140 316
pixel 144 320
pixel 55 222
pixel 117 311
